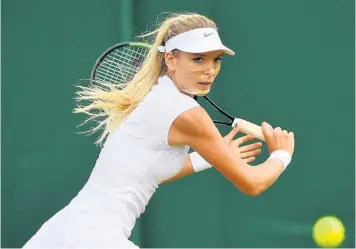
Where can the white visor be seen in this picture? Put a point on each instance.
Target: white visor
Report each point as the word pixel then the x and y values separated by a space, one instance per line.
pixel 196 41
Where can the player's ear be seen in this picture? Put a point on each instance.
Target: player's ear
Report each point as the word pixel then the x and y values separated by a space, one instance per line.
pixel 170 61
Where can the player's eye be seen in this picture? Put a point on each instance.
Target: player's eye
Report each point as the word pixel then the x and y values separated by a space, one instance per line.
pixel 198 59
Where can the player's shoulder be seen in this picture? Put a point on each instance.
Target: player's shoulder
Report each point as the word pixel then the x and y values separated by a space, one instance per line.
pixel 193 121
pixel 191 127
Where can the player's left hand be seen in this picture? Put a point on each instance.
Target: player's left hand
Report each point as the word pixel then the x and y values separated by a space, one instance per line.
pixel 247 152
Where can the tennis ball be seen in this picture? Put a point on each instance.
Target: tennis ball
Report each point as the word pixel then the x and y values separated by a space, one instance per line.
pixel 328 231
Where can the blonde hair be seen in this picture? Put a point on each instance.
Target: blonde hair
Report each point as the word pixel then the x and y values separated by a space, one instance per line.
pixel 111 106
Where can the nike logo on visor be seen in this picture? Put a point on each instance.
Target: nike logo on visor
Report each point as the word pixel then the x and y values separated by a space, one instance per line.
pixel 207 34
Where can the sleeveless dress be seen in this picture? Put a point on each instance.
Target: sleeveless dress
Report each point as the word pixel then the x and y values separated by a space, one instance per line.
pixel 134 160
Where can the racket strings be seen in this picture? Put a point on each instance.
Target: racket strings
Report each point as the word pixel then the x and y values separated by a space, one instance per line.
pixel 121 64
pixel 113 69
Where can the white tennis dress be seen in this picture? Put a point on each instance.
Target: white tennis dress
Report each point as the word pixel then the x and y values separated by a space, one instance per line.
pixel 136 158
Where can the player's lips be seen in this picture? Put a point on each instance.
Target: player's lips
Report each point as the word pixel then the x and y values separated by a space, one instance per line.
pixel 206 83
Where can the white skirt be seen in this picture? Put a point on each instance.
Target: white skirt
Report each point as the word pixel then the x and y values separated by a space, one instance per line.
pixel 69 230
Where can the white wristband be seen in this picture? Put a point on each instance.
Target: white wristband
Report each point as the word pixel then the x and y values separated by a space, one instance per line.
pixel 198 162
pixel 283 156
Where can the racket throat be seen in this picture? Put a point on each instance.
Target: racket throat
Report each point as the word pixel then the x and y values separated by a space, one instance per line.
pixel 236 122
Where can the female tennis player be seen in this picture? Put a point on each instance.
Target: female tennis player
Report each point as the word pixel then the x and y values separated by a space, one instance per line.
pixel 149 127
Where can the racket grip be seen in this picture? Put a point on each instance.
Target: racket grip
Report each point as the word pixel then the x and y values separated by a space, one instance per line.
pixel 249 128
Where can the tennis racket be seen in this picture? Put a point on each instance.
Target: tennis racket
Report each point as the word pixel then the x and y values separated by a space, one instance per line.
pixel 120 62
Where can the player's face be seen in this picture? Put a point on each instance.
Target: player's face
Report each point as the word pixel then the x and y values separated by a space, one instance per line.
pixel 194 72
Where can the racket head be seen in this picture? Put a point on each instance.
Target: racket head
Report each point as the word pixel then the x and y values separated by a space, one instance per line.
pixel 119 63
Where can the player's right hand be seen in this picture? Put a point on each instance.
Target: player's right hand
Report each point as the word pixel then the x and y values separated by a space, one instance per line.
pixel 278 139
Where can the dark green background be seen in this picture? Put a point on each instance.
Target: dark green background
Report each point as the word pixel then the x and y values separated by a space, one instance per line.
pixel 294 67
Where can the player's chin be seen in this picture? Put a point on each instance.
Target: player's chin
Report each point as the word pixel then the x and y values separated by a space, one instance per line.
pixel 202 91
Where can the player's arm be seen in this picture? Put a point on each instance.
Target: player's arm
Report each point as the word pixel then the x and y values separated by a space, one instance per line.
pixel 195 128
pixel 247 152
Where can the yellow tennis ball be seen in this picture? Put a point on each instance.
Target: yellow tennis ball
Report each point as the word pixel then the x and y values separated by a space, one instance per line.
pixel 328 231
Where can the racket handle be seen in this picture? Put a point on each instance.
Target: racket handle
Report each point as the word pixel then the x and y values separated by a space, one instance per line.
pixel 249 128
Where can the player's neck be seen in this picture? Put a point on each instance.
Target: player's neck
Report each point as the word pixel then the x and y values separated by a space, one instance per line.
pixel 178 86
